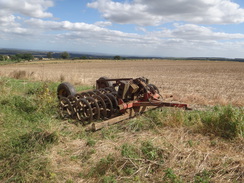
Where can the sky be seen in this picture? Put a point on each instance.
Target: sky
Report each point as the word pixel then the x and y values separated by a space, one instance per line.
pixel 164 28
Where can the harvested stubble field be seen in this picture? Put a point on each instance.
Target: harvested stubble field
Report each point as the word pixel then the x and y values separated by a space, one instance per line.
pixel 194 82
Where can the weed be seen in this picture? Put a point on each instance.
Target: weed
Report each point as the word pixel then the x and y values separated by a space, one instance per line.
pixel 171 177
pixel 150 152
pixel 203 177
pixel 190 143
pixel 108 179
pixel 86 155
pixel 129 151
pixel 109 133
pixel 227 122
pixel 90 142
pixel 138 124
pixel 103 166
pixel 69 181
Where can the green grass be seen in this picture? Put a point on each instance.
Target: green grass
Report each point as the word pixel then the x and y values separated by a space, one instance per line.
pixel 26 110
pixel 30 127
pixel 223 121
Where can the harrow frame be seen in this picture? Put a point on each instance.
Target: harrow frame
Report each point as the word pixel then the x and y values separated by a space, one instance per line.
pixel 112 101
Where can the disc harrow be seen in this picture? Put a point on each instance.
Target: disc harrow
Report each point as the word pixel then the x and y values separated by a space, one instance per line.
pixel 111 98
pixel 89 106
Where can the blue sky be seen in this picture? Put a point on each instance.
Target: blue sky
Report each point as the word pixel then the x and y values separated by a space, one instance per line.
pixel 175 28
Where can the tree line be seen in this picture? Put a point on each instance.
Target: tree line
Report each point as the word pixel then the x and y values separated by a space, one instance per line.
pixel 17 57
pixel 29 57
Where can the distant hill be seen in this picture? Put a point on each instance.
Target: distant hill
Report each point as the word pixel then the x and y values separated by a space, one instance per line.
pixel 74 55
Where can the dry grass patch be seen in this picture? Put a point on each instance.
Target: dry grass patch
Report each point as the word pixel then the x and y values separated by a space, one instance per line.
pixel 170 154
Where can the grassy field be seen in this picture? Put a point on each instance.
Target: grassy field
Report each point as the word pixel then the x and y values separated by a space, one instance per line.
pixel 166 145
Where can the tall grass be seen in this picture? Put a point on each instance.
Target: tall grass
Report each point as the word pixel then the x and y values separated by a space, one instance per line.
pixel 26 110
pixel 223 121
pixel 227 122
pixel 29 127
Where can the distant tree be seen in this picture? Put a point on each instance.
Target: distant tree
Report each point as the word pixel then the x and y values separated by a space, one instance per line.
pixel 117 57
pixel 18 56
pixel 13 57
pixel 64 55
pixel 50 55
pixel 83 57
pixel 27 56
pixel 4 57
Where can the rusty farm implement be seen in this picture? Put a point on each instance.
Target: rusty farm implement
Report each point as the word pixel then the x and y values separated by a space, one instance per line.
pixel 112 101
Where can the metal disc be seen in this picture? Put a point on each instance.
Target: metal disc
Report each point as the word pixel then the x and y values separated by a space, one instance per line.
pixel 84 94
pixel 102 106
pixel 84 111
pixel 91 93
pixel 94 107
pixel 73 100
pixel 65 108
pixel 153 88
pixel 114 102
pixel 109 105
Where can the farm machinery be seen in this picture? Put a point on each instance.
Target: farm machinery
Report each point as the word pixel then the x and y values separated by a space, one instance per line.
pixel 112 101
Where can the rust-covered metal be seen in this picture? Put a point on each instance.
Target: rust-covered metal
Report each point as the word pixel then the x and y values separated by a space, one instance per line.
pixel 112 101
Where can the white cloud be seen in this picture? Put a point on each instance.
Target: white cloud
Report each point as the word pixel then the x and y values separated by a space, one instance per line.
pixel 10 22
pixel 156 12
pixel 63 25
pixel 31 8
pixel 9 25
pixel 195 32
pixel 103 23
pixel 181 36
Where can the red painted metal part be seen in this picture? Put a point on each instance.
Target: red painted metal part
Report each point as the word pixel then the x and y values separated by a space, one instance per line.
pixel 129 105
pixel 149 99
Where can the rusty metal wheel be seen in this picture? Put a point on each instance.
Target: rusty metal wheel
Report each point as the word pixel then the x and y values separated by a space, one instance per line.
pixel 109 89
pixel 73 100
pixel 102 83
pixel 91 93
pixel 109 105
pixel 65 89
pixel 114 102
pixel 102 91
pixel 153 89
pixel 78 96
pixel 94 107
pixel 102 106
pixel 97 92
pixel 84 95
pixel 65 108
pixel 84 111
pixel 115 94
